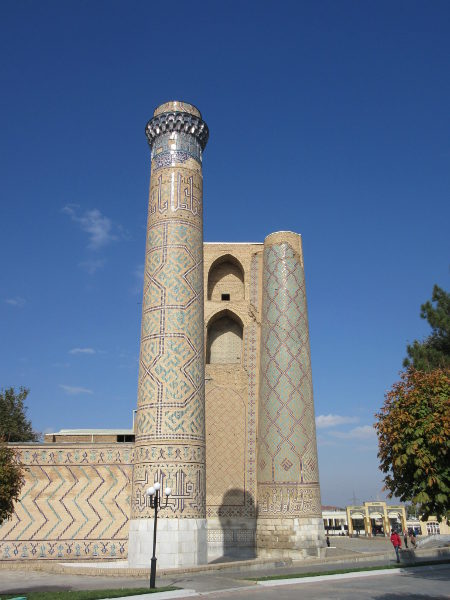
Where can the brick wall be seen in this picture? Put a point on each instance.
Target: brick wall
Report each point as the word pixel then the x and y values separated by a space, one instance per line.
pixel 75 503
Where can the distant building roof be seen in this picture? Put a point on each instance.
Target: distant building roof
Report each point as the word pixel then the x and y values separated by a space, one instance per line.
pixel 92 432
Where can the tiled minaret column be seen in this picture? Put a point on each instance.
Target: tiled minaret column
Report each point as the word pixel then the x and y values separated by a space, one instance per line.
pixel 170 423
pixel 289 509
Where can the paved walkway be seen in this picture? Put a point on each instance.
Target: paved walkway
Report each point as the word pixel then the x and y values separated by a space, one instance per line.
pixel 18 581
pixel 418 583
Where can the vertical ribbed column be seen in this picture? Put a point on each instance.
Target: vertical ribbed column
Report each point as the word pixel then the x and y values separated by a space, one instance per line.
pixel 289 508
pixel 170 422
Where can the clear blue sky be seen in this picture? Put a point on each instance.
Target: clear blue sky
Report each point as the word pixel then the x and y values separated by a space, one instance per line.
pixel 326 118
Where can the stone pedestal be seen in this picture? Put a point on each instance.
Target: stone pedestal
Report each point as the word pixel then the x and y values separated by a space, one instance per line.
pixel 290 538
pixel 180 542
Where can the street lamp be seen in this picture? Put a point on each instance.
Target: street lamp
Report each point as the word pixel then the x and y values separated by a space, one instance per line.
pixel 155 502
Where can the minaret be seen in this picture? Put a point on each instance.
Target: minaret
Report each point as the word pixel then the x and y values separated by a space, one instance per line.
pixel 170 422
pixel 289 509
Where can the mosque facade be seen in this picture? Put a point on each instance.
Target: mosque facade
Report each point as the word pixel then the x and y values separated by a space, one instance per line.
pixel 225 411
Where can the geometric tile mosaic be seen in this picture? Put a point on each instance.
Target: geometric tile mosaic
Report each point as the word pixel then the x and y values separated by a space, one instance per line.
pixel 287 454
pixel 171 411
pixel 231 422
pixel 75 504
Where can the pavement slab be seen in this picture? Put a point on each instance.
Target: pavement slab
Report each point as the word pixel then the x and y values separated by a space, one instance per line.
pixel 19 581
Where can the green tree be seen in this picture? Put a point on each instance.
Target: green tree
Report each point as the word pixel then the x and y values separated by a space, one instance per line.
pixel 434 351
pixel 14 425
pixel 413 429
pixel 412 511
pixel 11 480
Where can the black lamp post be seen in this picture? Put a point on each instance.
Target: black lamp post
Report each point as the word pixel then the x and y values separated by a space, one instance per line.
pixel 155 502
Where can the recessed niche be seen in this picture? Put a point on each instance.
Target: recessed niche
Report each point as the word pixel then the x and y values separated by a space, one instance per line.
pixel 226 278
pixel 224 340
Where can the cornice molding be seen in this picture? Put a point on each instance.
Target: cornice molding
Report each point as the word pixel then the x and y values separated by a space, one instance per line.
pixel 179 122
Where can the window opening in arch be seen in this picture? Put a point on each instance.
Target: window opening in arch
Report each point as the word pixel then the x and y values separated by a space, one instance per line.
pixel 224 341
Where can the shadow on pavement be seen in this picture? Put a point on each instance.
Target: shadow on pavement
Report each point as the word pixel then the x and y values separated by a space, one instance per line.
pixel 409 596
pixel 439 573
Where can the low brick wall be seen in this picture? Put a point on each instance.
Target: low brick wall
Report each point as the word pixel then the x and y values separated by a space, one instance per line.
pixel 75 503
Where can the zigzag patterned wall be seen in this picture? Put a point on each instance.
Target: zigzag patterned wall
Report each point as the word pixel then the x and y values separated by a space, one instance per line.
pixel 75 503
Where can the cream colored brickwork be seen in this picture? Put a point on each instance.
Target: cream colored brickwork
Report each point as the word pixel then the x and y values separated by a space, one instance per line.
pixel 226 277
pixel 225 442
pixel 75 503
pixel 241 310
pixel 232 355
pixel 232 380
pixel 224 342
pixel 170 415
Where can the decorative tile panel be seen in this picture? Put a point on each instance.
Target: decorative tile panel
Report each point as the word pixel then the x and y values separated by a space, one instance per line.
pixel 170 421
pixel 232 398
pixel 75 504
pixel 288 479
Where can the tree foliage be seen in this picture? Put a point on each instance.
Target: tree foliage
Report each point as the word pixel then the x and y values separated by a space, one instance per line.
pixel 434 351
pixel 14 425
pixel 413 431
pixel 11 480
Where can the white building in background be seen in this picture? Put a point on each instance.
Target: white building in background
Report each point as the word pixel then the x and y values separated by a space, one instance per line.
pixel 334 520
pixel 369 519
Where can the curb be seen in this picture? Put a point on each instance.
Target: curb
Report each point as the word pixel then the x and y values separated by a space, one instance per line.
pixel 236 566
pixel 74 569
pixel 277 582
pixel 159 595
pixel 337 576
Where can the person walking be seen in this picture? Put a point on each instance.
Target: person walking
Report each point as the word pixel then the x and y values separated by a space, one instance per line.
pixel 405 538
pixel 397 543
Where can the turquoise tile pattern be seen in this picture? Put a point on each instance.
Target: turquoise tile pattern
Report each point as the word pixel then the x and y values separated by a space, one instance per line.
pixel 170 422
pixel 288 479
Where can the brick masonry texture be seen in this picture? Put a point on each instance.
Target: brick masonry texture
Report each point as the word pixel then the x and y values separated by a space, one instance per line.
pixel 288 478
pixel 231 391
pixel 225 404
pixel 231 416
pixel 75 503
pixel 171 404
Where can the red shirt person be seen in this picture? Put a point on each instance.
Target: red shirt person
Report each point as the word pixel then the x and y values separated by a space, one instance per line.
pixel 397 543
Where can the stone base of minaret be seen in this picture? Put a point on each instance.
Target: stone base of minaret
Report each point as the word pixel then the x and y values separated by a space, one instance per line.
pixel 296 538
pixel 180 542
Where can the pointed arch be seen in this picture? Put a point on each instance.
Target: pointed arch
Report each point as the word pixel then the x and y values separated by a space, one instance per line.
pixel 225 332
pixel 226 278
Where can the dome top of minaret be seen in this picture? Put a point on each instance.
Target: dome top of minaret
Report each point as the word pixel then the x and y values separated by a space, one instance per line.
pixel 177 106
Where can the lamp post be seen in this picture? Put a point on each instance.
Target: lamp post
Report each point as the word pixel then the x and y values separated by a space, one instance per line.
pixel 155 502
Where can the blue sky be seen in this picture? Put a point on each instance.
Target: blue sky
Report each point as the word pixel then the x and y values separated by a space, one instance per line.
pixel 326 118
